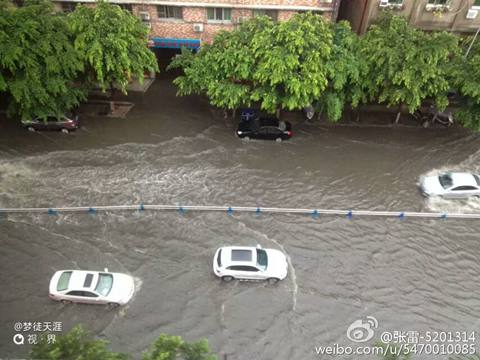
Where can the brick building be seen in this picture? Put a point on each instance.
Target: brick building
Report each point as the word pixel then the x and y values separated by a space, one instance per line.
pixel 460 16
pixel 188 23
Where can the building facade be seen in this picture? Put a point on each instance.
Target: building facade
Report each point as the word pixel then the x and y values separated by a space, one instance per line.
pixel 460 16
pixel 188 23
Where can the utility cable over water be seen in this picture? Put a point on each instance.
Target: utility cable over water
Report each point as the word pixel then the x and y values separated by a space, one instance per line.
pixel 315 213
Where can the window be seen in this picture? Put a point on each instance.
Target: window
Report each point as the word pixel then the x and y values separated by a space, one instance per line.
pixel 126 7
pixel 243 268
pixel 477 179
pixel 68 7
pixel 219 258
pixel 169 12
pixel 262 259
pixel 437 2
pixel 463 188
pixel 75 293
pixel 63 281
pixel 241 255
pixel 395 2
pixel 219 14
pixel 104 285
pixel 272 14
pixel 445 180
pixel 88 281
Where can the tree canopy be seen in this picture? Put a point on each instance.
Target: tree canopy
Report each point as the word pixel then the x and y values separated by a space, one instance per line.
pixel 285 65
pixel 466 80
pixel 79 344
pixel 404 65
pixel 112 43
pixel 39 64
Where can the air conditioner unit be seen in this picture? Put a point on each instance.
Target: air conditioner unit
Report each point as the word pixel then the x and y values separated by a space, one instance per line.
pixel 472 14
pixel 383 3
pixel 144 16
pixel 148 24
pixel 198 27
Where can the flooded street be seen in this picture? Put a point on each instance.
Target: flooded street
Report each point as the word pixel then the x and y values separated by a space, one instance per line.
pixel 411 274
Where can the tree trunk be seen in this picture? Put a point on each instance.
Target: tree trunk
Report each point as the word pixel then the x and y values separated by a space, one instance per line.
pixel 234 113
pixel 398 114
pixel 112 101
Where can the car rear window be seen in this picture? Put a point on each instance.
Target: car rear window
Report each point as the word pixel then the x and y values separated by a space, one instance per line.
pixel 219 258
pixel 63 281
pixel 241 255
pixel 445 180
pixel 104 284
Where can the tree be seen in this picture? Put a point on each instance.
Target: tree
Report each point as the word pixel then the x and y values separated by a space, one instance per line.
pixel 286 65
pixel 113 44
pixel 343 72
pixel 77 344
pixel 403 65
pixel 466 80
pixel 38 65
pixel 168 347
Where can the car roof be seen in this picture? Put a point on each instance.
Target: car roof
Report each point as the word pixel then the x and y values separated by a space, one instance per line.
pixel 80 281
pixel 463 179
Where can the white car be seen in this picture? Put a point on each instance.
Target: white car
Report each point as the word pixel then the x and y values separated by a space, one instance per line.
pixel 250 263
pixel 91 287
pixel 451 185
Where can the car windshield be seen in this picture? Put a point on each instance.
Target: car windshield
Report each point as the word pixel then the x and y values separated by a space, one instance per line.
pixel 64 280
pixel 477 179
pixel 104 285
pixel 262 259
pixel 445 180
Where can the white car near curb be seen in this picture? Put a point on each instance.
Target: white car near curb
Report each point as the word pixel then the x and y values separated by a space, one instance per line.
pixel 91 287
pixel 454 185
pixel 250 263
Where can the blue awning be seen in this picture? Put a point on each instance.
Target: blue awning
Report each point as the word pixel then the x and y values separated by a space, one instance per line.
pixel 165 43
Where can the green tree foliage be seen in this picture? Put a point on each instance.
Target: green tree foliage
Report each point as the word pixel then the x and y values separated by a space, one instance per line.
pixel 285 65
pixel 113 44
pixel 168 347
pixel 403 65
pixel 466 79
pixel 343 72
pixel 77 344
pixel 38 63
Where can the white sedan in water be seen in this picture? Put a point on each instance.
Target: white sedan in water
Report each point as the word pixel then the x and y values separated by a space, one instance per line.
pixel 250 263
pixel 91 287
pixel 453 185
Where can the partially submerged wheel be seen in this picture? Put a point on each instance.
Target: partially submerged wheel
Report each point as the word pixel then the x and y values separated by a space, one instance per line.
pixel 65 302
pixel 272 281
pixel 278 140
pixel 31 128
pixel 113 305
pixel 246 138
pixel 227 278
pixel 65 131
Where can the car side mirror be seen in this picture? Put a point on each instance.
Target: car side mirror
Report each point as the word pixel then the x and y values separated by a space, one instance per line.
pixel 106 270
pixel 259 246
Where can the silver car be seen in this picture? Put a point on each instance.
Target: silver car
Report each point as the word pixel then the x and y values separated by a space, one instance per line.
pixel 452 185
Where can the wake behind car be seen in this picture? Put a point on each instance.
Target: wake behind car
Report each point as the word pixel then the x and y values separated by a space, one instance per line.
pixel 91 287
pixel 266 128
pixel 250 263
pixel 64 123
pixel 454 185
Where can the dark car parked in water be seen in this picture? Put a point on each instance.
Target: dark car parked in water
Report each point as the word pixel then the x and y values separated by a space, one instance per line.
pixel 64 123
pixel 264 128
